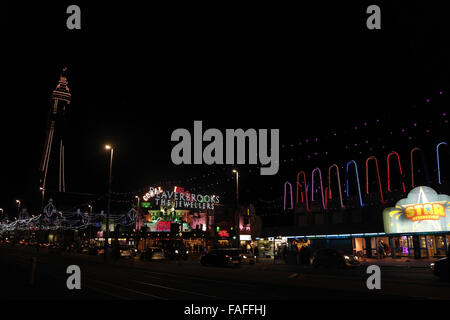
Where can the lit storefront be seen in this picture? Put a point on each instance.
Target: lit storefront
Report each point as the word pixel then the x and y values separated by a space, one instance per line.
pixel 418 226
pixel 175 215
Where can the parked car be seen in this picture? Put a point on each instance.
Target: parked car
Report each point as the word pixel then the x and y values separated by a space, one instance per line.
pixel 153 253
pixel 221 257
pixel 441 268
pixel 99 251
pixel 177 253
pixel 328 257
pixel 247 258
pixel 83 250
pixel 126 251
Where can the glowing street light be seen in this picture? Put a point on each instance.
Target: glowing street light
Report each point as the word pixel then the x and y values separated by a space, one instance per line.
pixel 237 185
pixel 108 147
pixel 18 207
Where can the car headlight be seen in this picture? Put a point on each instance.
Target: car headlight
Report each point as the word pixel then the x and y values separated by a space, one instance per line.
pixel 432 265
pixel 176 251
pixel 356 258
pixel 245 257
pixel 187 252
pixel 346 257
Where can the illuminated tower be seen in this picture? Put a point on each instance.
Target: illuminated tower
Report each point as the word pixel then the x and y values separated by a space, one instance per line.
pixel 52 164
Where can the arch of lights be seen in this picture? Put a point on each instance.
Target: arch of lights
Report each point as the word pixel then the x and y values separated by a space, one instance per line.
pixel 292 200
pixel 437 158
pixel 380 188
pixel 357 181
pixel 388 171
pixel 328 194
pixel 304 189
pixel 321 186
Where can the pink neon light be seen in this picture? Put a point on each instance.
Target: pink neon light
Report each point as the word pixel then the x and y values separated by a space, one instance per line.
pixel 388 172
pixel 378 177
pixel 321 186
pixel 292 200
pixel 339 183
pixel 304 188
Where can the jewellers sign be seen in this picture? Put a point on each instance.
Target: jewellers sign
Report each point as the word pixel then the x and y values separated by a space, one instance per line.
pixel 182 199
pixel 423 210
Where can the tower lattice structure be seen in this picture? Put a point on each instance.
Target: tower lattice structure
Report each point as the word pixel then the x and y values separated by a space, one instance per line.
pixel 52 163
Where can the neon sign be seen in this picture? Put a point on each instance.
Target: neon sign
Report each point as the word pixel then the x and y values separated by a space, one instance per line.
pixel 152 193
pixel 163 225
pixel 224 234
pixel 423 210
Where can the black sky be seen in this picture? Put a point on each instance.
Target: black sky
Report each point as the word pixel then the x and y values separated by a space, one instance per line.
pixel 137 73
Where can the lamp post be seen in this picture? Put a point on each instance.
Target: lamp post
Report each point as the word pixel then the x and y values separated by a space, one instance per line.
pixel 237 186
pixel 236 218
pixel 42 197
pixel 108 210
pixel 18 207
pixel 89 221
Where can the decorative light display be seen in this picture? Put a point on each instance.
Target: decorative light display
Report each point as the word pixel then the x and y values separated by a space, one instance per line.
pixel 388 172
pixel 329 195
pixel 304 189
pixel 321 186
pixel 437 158
pixel 378 177
pixel 357 181
pixel 423 210
pixel 52 219
pixel 292 200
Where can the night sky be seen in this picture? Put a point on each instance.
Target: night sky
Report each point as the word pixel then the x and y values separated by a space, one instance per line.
pixel 138 73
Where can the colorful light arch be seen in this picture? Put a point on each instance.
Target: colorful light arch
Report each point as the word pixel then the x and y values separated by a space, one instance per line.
pixel 357 180
pixel 438 164
pixel 388 171
pixel 321 186
pixel 380 188
pixel 292 199
pixel 305 189
pixel 328 194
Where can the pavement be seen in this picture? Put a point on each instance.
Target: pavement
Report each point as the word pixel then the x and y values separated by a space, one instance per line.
pixel 400 262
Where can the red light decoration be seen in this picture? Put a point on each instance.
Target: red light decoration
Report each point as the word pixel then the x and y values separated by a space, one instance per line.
pixel 321 186
pixel 388 172
pixel 223 234
pixel 163 226
pixel 378 177
pixel 338 181
pixel 305 198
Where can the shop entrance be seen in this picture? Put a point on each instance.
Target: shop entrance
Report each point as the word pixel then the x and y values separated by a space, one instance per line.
pixel 403 246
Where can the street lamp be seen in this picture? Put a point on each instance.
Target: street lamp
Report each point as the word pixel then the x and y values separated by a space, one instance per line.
pixel 237 185
pixel 108 147
pixel 236 218
pixel 42 197
pixel 89 222
pixel 18 207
